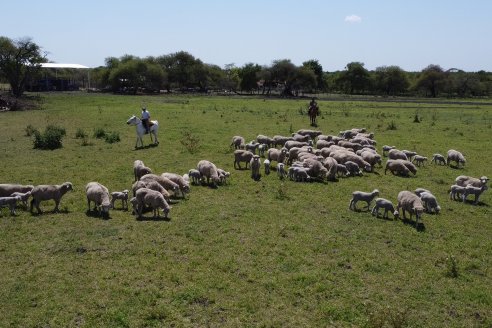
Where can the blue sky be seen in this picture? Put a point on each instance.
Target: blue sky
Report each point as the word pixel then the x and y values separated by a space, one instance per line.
pixel 411 34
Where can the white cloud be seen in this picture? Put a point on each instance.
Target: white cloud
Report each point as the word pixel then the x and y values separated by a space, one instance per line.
pixel 353 19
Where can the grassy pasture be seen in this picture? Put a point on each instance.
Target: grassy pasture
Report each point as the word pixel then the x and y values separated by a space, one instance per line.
pixel 265 253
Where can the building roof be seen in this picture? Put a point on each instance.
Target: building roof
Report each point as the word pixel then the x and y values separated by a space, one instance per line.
pixel 56 65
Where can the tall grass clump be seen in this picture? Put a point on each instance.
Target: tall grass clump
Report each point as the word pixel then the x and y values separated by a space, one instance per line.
pixel 190 142
pixel 30 130
pixel 50 139
pixel 112 137
pixel 99 133
pixel 80 134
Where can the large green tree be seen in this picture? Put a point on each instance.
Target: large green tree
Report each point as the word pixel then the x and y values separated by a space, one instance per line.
pixel 390 80
pixel 431 80
pixel 249 75
pixel 130 74
pixel 317 69
pixel 19 61
pixel 354 79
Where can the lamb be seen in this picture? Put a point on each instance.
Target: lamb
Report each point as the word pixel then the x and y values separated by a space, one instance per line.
pixel 48 192
pixel 255 167
pixel 208 170
pixel 24 197
pixel 195 176
pixel 154 199
pixel 98 194
pixel 7 189
pixel 410 202
pixel 386 205
pixel 121 195
pixel 266 163
pixel 252 146
pixel 464 181
pixel 242 156
pixel 438 159
pixel 281 171
pixel 386 149
pixel 183 186
pixel 279 156
pixel 397 154
pixel 410 154
pixel 261 149
pixel 353 168
pixel 429 202
pixel 11 202
pixel 223 175
pixel 455 156
pixel 134 203
pixel 362 196
pixel 471 190
pixel 139 169
pixel 396 168
pixel 419 160
pixel 456 192
pixel 237 142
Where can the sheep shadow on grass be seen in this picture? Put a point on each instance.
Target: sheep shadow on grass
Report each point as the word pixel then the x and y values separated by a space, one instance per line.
pixel 152 218
pixel 411 222
pixel 479 203
pixel 36 213
pixel 95 214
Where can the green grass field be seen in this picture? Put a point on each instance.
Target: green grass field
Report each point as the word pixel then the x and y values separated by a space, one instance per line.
pixel 267 253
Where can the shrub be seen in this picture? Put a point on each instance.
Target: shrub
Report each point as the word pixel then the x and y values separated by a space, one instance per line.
pixel 112 137
pixel 51 138
pixel 99 133
pixel 190 141
pixel 391 126
pixel 80 134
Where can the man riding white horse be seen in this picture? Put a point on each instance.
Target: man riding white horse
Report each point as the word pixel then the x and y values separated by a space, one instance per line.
pixel 146 119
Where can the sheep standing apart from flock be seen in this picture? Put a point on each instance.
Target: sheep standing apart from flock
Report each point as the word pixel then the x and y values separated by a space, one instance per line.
pixel 7 189
pixel 242 156
pixel 471 190
pixel 98 194
pixel 139 169
pixel 386 205
pixel 438 159
pixel 11 202
pixel 419 160
pixel 362 196
pixel 409 202
pixel 455 156
pixel 121 195
pixel 208 170
pixel 255 167
pixel 430 202
pixel 154 199
pixel 48 192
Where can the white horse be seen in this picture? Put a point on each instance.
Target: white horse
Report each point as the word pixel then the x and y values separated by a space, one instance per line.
pixel 141 130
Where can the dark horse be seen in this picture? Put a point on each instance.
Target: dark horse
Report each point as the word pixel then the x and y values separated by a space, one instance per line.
pixel 313 111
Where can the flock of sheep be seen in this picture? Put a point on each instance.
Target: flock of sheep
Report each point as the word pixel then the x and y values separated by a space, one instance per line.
pixel 307 155
pixel 311 155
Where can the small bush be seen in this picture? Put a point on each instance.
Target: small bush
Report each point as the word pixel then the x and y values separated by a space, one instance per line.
pixel 50 139
pixel 99 133
pixel 391 126
pixel 80 134
pixel 416 118
pixel 190 141
pixel 112 137
pixel 452 267
pixel 30 130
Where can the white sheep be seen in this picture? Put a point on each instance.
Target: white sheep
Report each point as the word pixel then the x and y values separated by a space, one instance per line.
pixel 265 140
pixel 266 164
pixel 410 154
pixel 183 185
pixel 48 192
pixel 353 168
pixel 24 197
pixel 471 190
pixel 154 199
pixel 223 175
pixel 386 205
pixel 281 170
pixel 163 181
pixel 371 157
pixel 11 202
pixel 315 168
pixel 255 165
pixel 456 192
pixel 134 203
pixel 311 133
pixel 252 146
pixel 7 189
pixel 429 202
pixel 208 170
pixel 455 156
pixel 409 165
pixel 396 168
pixel 242 156
pixel 139 169
pixel 438 159
pixel 237 142
pixel 409 202
pixel 277 155
pixel 300 137
pixel 281 140
pixel 362 196
pixel 464 180
pixel 98 194
pixel 419 160
pixel 195 176
pixel 397 154
pixel 121 195
pixel 419 191
pixel 331 165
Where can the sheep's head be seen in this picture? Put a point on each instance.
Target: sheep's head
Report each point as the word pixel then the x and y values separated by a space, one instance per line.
pixel 396 214
pixel 67 186
pixel 375 192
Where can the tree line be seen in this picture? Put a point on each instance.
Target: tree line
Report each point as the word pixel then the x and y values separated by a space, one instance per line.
pixel 182 72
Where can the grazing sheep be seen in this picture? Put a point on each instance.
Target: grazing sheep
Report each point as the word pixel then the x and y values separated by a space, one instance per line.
pixel 397 154
pixel 98 194
pixel 261 149
pixel 195 176
pixel 430 202
pixel 252 146
pixel 48 192
pixel 223 175
pixel 332 166
pixel 281 170
pixel 410 154
pixel 281 140
pixel 154 185
pixel 410 202
pixel 386 205
pixel 163 181
pixel 237 142
pixel 139 169
pixel 419 191
pixel 471 190
pixel 419 160
pixel 396 168
pixel 372 158
pixel 344 156
pixel 242 156
pixel 353 168
pixel 315 168
pixel 265 140
pixel 300 137
pixel 362 196
pixel 154 199
pixel 320 144
pixel 137 185
pixel 455 156
pixel 11 202
pixel 464 181
pixel 277 155
pixel 301 174
pixel 266 163
pixel 456 192
pixel 255 167
pixel 184 186
pixel 7 189
pixel 438 159
pixel 134 203
pixel 342 170
pixel 121 195
pixel 208 170
pixel 351 145
pixel 386 149
pixel 409 165
pixel 24 197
